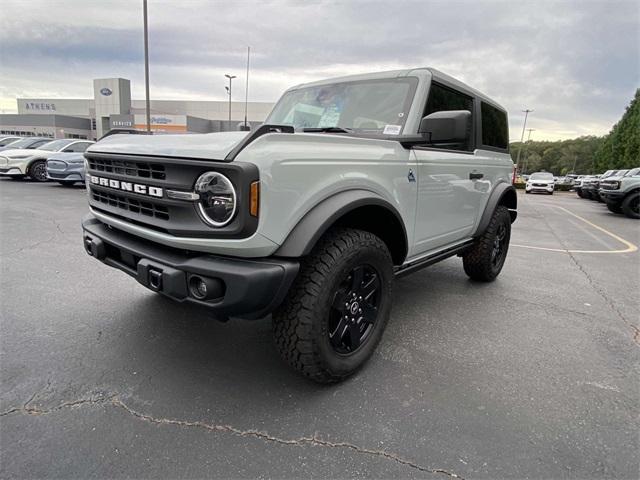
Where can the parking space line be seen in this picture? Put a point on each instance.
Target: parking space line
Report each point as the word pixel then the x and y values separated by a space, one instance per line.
pixel 630 246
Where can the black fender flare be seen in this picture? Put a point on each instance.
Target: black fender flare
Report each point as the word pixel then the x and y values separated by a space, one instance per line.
pixel 317 221
pixel 503 194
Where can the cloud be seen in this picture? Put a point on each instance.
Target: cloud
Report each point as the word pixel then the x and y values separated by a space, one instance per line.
pixel 574 62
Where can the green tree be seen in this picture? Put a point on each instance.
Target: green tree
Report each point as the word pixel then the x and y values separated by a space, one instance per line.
pixel 621 147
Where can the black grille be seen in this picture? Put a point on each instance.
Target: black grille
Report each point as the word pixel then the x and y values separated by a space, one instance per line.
pixel 128 167
pixel 149 209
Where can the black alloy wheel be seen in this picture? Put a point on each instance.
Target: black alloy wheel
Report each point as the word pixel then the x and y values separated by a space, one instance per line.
pixel 499 245
pixel 38 172
pixel 354 310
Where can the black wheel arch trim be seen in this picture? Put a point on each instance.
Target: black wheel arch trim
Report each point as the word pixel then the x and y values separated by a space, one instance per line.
pixel 502 194
pixel 322 216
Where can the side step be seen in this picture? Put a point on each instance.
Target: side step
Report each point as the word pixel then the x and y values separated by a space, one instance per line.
pixel 431 259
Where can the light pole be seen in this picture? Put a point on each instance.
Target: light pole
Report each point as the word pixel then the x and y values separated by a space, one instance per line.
pixel 526 150
pixel 230 77
pixel 146 64
pixel 245 127
pixel 526 114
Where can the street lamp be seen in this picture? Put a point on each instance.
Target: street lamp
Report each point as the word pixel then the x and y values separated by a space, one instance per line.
pixel 526 149
pixel 230 77
pixel 526 114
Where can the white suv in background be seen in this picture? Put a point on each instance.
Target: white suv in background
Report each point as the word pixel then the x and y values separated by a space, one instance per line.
pixel 540 182
pixel 21 162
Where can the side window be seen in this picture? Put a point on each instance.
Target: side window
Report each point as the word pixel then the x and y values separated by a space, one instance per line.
pixel 495 132
pixel 443 98
pixel 79 147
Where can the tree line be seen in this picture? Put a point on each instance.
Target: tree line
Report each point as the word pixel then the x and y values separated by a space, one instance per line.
pixel 589 154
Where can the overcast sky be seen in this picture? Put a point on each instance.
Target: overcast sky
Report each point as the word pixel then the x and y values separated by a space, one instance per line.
pixel 576 63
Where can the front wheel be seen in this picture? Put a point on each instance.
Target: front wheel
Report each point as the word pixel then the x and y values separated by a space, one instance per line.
pixel 338 307
pixel 38 171
pixel 631 205
pixel 484 261
pixel 614 207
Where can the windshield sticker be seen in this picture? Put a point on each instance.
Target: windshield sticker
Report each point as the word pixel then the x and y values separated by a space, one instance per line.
pixel 392 130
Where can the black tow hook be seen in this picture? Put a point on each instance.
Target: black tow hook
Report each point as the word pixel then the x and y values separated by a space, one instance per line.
pixel 155 279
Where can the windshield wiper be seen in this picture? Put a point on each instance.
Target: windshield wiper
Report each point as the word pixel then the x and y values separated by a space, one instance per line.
pixel 328 129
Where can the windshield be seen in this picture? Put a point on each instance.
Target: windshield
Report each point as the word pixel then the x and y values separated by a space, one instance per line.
pixel 55 145
pixel 371 106
pixel 633 172
pixel 24 143
pixel 541 176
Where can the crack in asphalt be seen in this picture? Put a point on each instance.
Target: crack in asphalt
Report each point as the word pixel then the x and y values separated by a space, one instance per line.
pixel 40 242
pixel 114 401
pixel 593 284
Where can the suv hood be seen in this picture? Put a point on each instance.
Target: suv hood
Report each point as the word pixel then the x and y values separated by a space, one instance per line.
pixel 208 146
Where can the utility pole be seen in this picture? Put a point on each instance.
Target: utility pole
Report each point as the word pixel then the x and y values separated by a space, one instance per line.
pixel 526 114
pixel 246 94
pixel 526 150
pixel 230 77
pixel 146 64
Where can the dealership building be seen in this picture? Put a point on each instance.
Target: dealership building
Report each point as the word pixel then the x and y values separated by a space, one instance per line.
pixel 112 107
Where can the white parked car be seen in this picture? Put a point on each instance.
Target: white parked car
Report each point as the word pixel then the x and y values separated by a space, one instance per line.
pixel 22 162
pixel 540 182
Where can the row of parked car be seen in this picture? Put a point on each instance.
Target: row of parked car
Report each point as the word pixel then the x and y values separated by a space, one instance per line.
pixel 43 159
pixel 619 189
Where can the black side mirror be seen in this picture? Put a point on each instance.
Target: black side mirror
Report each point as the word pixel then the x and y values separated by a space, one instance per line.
pixel 448 126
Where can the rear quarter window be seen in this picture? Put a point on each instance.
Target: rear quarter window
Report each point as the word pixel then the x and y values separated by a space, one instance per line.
pixel 495 131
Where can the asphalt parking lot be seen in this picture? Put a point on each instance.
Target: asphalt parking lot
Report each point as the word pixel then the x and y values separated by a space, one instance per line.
pixel 533 376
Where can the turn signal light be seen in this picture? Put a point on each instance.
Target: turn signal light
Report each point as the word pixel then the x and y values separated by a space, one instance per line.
pixel 254 202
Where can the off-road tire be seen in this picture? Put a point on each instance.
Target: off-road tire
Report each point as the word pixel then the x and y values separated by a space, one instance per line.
pixel 301 323
pixel 478 260
pixel 614 207
pixel 580 194
pixel 630 205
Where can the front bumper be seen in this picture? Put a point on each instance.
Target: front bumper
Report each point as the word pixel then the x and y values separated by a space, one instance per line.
pixel 11 171
pixel 251 288
pixel 63 171
pixel 611 196
pixel 534 189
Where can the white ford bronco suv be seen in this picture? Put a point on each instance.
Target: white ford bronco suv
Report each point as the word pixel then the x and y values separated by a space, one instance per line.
pixel 350 183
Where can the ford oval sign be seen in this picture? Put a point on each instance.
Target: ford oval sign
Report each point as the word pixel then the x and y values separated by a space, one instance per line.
pixel 106 91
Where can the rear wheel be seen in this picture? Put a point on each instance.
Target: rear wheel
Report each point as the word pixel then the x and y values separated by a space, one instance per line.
pixel 485 259
pixel 338 306
pixel 38 171
pixel 631 205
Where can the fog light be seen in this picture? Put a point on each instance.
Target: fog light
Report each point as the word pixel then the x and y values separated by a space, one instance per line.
pixel 203 288
pixel 198 287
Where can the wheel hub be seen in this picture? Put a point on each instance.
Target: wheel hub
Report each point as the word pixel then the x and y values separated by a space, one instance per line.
pixel 354 309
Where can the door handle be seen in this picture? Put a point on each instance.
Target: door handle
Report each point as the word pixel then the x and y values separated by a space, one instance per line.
pixel 475 175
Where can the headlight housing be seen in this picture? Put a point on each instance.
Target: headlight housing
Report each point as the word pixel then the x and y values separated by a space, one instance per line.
pixel 217 203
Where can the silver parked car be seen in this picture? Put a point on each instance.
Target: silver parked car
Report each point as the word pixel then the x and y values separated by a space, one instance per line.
pixel 66 168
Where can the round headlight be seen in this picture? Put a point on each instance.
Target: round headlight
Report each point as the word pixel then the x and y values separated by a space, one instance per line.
pixel 217 204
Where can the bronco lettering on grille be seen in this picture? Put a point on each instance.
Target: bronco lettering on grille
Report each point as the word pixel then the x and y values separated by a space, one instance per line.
pixel 128 186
